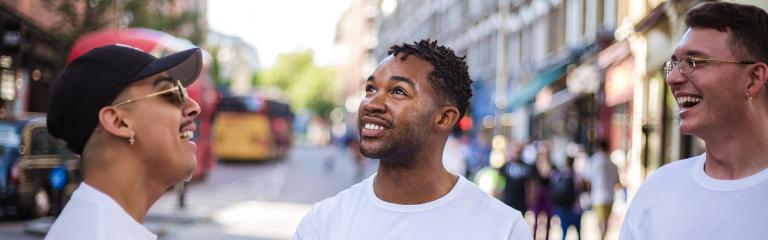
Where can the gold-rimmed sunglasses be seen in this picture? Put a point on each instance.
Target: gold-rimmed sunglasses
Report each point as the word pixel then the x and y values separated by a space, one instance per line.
pixel 180 90
pixel 687 64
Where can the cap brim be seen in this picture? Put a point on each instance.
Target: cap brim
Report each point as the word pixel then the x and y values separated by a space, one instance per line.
pixel 184 66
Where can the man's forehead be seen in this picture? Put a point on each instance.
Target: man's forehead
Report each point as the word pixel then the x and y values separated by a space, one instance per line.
pixel 160 79
pixel 412 63
pixel 702 41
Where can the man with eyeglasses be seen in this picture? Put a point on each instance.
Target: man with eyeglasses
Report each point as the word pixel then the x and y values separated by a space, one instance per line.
pixel 128 114
pixel 718 76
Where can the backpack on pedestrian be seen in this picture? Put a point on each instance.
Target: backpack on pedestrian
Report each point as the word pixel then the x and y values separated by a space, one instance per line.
pixel 563 188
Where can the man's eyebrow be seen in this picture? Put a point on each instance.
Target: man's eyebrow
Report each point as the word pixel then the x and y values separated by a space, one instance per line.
pixel 692 53
pixel 402 79
pixel 394 78
pixel 161 79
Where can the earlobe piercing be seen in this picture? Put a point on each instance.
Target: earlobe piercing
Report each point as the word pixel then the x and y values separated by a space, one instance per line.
pixel 132 139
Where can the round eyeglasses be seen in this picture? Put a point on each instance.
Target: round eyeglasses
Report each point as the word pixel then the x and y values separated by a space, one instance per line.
pixel 687 64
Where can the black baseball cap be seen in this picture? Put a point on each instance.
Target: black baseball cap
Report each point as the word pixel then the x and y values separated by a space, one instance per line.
pixel 93 81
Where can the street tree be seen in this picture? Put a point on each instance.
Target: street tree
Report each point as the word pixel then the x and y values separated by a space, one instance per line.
pixel 306 85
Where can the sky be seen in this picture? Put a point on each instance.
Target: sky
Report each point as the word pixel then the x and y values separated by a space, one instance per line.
pixel 280 26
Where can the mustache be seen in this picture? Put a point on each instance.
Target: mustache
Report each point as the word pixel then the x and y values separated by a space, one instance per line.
pixel 373 115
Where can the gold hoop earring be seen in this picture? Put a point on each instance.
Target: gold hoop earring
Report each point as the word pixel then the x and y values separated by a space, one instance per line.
pixel 132 139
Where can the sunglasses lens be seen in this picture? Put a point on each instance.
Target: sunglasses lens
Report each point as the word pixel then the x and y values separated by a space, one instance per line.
pixel 182 92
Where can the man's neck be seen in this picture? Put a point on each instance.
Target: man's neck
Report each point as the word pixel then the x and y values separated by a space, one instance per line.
pixel 126 185
pixel 737 153
pixel 425 181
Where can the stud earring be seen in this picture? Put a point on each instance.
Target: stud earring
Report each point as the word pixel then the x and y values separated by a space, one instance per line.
pixel 132 139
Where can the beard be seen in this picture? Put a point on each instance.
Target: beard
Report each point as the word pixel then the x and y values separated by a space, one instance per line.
pixel 404 140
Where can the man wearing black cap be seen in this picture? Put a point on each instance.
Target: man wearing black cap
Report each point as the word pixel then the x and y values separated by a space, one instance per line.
pixel 128 114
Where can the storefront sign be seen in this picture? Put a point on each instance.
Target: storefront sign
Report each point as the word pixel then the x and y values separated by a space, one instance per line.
pixel 619 82
pixel 583 79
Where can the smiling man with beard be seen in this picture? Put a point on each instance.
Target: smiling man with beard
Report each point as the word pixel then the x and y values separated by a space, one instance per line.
pixel 412 101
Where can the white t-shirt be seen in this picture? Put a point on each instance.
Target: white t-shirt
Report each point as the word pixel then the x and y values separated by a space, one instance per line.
pixel 679 201
pixel 464 213
pixel 603 175
pixel 91 214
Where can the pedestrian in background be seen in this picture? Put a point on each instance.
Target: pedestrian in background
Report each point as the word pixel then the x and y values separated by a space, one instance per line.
pixel 543 208
pixel 718 75
pixel 566 186
pixel 602 176
pixel 412 102
pixel 128 114
pixel 519 180
pixel 481 151
pixel 352 144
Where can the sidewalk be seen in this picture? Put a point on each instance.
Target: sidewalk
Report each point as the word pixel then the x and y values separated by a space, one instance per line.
pixel 589 227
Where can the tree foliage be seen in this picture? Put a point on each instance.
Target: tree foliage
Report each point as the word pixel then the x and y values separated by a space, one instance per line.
pixel 73 24
pixel 79 17
pixel 215 70
pixel 307 86
pixel 149 14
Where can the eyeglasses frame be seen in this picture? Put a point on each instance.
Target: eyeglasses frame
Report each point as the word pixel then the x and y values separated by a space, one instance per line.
pixel 671 64
pixel 182 93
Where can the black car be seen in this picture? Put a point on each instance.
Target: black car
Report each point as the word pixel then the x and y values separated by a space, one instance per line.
pixel 37 172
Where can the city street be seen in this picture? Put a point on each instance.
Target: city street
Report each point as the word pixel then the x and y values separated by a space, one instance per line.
pixel 263 200
pixel 244 200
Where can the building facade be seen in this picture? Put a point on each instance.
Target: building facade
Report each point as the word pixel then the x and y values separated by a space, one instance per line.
pixel 33 50
pixel 521 54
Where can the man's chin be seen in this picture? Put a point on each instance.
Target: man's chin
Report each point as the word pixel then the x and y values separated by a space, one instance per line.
pixel 372 154
pixel 190 171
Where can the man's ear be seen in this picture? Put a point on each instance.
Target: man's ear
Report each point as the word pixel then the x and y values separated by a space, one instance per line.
pixel 113 121
pixel 758 78
pixel 447 117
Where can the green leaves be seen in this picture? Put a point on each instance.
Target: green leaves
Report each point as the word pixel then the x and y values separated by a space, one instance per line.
pixel 307 86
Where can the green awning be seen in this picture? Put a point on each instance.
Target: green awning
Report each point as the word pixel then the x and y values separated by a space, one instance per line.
pixel 525 94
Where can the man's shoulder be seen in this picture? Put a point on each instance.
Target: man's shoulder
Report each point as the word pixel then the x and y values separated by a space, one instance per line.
pixel 92 215
pixel 353 194
pixel 80 219
pixel 667 179
pixel 673 170
pixel 486 204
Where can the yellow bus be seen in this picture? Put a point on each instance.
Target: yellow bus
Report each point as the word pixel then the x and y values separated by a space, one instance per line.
pixel 252 129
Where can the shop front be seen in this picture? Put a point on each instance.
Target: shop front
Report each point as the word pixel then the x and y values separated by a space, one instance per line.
pixel 29 64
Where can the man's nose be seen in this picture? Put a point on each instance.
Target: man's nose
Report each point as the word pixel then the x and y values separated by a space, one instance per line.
pixel 675 76
pixel 191 108
pixel 373 104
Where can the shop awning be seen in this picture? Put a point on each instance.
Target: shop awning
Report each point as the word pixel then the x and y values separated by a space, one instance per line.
pixel 525 94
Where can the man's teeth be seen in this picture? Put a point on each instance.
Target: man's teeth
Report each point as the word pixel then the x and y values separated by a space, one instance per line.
pixel 373 126
pixel 688 99
pixel 187 134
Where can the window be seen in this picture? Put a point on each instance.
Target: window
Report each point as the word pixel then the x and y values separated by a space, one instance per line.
pixel 610 10
pixel 41 143
pixel 556 29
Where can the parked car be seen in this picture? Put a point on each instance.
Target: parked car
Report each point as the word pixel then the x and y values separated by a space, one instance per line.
pixel 38 173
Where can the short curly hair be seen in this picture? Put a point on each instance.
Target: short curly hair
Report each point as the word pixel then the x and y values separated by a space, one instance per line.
pixel 450 76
